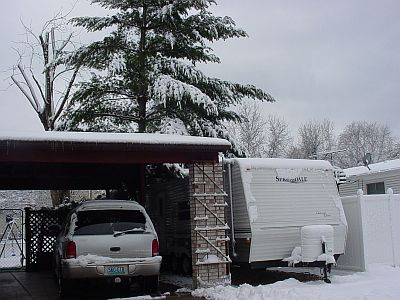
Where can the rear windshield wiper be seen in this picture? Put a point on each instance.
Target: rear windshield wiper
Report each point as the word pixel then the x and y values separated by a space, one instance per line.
pixel 136 230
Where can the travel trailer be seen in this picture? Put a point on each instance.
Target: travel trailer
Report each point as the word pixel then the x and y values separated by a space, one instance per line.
pixel 271 200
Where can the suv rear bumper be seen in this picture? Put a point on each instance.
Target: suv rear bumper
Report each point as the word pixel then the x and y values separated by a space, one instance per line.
pixel 76 268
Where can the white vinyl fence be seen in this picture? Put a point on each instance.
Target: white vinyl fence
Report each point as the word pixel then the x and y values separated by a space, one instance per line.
pixel 373 230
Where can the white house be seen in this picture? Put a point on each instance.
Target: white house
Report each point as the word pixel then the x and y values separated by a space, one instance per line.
pixel 373 180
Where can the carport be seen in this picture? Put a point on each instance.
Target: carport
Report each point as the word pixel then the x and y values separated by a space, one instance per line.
pixel 77 160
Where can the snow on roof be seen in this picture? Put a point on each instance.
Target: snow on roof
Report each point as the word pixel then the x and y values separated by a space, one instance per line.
pixel 283 163
pixel 375 168
pixel 101 137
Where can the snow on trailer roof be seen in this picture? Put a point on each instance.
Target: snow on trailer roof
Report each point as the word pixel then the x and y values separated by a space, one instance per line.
pixel 375 168
pixel 124 138
pixel 281 163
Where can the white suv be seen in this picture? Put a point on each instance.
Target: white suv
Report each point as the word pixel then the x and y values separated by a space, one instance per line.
pixel 109 239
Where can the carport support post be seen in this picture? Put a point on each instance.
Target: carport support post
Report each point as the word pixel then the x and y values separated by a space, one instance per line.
pixel 142 192
pixel 210 259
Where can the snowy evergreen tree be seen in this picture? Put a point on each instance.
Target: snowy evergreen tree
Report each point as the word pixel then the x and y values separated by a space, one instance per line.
pixel 145 77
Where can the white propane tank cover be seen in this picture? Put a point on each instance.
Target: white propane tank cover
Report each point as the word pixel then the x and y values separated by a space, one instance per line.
pixel 311 241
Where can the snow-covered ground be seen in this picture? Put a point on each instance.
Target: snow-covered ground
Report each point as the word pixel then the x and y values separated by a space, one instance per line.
pixel 19 199
pixel 11 256
pixel 379 282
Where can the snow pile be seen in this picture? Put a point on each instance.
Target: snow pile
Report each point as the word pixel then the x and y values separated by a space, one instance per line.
pixel 85 260
pixel 329 259
pixel 295 258
pixel 183 291
pixel 381 282
pixel 211 259
pixel 145 297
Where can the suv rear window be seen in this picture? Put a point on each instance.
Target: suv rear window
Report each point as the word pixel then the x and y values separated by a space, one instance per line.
pixel 97 222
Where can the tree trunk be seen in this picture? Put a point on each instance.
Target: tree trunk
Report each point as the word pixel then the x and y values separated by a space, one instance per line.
pixel 142 99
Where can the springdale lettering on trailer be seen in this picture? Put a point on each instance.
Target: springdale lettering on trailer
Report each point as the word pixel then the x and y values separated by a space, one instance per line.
pixel 299 179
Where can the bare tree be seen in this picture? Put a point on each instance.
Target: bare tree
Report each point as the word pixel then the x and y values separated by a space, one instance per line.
pixel 44 77
pixel 362 137
pixel 44 69
pixel 315 138
pixel 250 132
pixel 259 136
pixel 395 153
pixel 294 151
pixel 278 136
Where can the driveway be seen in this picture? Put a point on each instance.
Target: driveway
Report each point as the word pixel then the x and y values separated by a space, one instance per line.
pixel 42 286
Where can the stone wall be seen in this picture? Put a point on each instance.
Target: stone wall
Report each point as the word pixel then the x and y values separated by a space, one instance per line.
pixel 208 225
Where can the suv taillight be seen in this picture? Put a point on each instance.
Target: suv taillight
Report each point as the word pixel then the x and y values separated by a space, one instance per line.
pixel 154 248
pixel 70 251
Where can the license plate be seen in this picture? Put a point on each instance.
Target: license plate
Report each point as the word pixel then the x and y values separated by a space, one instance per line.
pixel 116 270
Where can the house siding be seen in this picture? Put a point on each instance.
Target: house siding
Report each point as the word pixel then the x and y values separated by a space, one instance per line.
pixel 390 178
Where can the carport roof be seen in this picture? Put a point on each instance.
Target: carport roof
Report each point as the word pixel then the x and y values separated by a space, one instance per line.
pixel 95 147
pixel 83 160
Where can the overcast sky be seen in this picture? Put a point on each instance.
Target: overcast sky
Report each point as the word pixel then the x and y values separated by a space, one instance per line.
pixel 336 60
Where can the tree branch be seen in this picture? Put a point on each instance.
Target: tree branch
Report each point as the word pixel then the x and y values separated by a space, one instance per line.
pixel 62 72
pixel 38 85
pixel 66 96
pixel 129 118
pixel 64 44
pixel 26 94
pixel 30 88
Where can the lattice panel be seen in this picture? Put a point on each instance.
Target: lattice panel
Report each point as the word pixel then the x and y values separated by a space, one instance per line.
pixel 39 240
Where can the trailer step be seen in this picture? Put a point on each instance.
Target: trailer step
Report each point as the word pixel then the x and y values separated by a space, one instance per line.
pixel 211 195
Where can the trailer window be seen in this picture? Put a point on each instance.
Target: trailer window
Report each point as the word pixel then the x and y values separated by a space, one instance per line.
pixel 376 188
